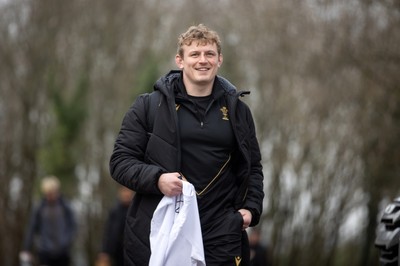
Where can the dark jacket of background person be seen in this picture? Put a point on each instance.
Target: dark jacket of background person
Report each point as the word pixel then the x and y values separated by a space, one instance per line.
pixel 259 255
pixel 52 241
pixel 141 153
pixel 112 252
pixel 114 231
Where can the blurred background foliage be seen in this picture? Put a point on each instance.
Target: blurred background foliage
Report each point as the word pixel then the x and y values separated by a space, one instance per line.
pixel 324 77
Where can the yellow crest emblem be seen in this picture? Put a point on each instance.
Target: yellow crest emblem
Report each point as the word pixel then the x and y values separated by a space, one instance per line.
pixel 224 111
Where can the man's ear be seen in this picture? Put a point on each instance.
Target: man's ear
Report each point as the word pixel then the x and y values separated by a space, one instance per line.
pixel 220 60
pixel 178 61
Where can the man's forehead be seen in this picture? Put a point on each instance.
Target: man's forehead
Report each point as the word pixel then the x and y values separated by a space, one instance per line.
pixel 200 46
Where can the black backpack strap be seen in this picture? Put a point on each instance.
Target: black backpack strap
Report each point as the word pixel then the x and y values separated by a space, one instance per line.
pixel 153 101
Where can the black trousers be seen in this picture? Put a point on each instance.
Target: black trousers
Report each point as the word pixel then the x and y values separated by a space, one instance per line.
pixel 54 260
pixel 243 260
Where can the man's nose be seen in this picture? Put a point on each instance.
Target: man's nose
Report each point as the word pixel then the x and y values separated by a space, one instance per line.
pixel 203 58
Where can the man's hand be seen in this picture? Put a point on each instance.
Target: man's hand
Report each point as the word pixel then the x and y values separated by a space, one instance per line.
pixel 246 215
pixel 170 184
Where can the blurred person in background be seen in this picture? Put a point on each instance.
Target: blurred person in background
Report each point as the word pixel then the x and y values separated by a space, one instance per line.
pixel 258 251
pixel 112 252
pixel 192 127
pixel 51 229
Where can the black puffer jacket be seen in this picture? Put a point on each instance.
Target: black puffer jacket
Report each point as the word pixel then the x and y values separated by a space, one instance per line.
pixel 137 167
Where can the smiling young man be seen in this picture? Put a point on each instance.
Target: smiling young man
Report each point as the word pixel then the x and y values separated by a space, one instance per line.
pixel 199 61
pixel 193 126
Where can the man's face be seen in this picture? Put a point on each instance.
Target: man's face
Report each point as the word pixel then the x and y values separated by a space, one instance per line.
pixel 199 63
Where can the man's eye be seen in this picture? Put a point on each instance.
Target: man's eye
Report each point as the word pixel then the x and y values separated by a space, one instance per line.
pixel 194 55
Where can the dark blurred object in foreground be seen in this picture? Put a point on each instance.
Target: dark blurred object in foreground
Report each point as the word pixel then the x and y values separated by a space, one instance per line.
pixel 388 235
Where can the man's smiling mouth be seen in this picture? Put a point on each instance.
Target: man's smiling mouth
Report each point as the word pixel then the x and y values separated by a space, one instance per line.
pixel 203 69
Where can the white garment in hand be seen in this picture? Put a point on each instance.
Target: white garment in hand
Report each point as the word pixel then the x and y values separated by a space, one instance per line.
pixel 175 237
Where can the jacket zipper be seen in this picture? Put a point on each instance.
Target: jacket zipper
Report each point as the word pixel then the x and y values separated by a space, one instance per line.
pixel 214 178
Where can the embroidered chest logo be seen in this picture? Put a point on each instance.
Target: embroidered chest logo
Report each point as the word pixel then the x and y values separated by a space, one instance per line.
pixel 224 111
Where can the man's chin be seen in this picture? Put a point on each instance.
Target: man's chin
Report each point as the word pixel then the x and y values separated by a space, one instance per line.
pixel 204 79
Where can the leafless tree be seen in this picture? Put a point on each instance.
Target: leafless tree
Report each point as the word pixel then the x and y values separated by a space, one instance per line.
pixel 324 82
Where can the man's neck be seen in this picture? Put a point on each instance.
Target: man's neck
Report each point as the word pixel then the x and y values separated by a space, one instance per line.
pixel 198 91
